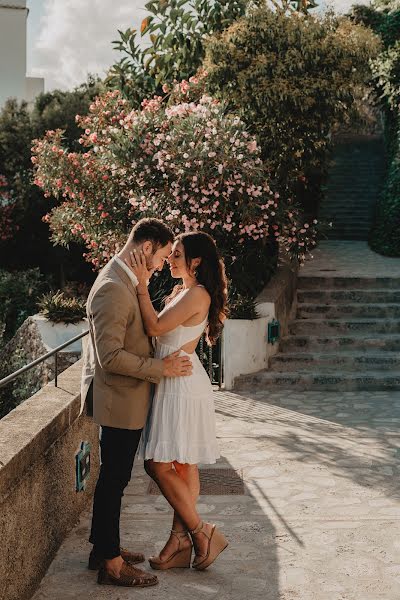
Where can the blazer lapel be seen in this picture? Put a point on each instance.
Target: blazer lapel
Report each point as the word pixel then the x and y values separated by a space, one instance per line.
pixel 125 278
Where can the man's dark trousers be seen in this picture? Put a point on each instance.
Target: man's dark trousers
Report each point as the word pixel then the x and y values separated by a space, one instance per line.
pixel 118 448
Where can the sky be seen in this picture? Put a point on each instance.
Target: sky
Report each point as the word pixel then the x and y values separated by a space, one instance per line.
pixel 68 39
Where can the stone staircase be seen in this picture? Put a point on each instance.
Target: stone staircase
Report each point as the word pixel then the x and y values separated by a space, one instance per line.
pixel 345 337
pixel 354 183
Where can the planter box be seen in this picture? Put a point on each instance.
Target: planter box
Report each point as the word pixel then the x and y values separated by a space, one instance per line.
pixel 244 348
pixel 55 334
pixel 245 344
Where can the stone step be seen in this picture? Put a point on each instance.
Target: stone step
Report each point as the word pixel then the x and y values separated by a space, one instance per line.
pixel 350 216
pixel 348 225
pixel 338 202
pixel 328 343
pixel 348 296
pixel 354 215
pixel 335 217
pixel 335 362
pixel 368 381
pixel 349 229
pixel 353 220
pixel 348 237
pixel 344 326
pixel 378 311
pixel 343 283
pixel 346 222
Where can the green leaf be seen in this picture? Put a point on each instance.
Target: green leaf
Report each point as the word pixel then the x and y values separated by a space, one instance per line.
pixel 145 25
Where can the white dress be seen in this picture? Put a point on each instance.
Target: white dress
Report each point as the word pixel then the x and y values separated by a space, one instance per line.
pixel 181 421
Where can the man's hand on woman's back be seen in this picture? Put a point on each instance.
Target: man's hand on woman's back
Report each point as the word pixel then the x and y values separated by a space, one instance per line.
pixel 177 366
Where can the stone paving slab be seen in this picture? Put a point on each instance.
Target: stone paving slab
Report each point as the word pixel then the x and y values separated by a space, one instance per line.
pixel 320 518
pixel 342 258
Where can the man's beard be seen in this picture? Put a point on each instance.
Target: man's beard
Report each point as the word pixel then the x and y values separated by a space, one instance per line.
pixel 150 263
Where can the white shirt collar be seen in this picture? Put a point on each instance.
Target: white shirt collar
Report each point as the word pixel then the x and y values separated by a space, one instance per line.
pixel 127 270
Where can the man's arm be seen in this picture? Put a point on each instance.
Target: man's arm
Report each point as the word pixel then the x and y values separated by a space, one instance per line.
pixel 109 315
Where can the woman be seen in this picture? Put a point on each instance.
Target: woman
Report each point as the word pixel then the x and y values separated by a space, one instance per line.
pixel 180 429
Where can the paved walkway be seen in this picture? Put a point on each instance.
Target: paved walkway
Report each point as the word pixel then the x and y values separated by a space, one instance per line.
pixel 320 518
pixel 343 258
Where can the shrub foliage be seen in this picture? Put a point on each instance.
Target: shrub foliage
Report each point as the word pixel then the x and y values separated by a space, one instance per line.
pixel 291 78
pixel 383 16
pixel 61 308
pixel 184 160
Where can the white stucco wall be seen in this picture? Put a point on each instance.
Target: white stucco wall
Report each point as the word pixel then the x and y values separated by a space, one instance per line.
pixel 34 87
pixel 13 80
pixel 12 50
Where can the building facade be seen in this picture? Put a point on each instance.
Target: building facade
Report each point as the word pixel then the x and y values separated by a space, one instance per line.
pixel 13 80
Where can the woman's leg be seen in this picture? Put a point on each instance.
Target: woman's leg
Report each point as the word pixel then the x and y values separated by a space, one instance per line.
pixel 190 475
pixel 175 490
pixel 179 495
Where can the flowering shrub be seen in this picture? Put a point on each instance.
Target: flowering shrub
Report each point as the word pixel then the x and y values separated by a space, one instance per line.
pixel 7 207
pixel 181 158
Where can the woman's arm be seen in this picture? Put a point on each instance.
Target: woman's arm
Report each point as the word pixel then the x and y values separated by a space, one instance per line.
pixel 195 301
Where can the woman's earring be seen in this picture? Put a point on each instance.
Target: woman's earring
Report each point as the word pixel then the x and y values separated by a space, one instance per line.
pixel 195 273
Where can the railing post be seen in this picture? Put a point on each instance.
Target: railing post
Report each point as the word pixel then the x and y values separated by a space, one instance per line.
pixel 220 362
pixel 56 368
pixel 201 349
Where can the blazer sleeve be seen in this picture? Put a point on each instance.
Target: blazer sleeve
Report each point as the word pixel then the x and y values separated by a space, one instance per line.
pixel 109 313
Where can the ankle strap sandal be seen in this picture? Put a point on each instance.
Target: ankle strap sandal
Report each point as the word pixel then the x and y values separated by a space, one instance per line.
pixel 179 559
pixel 216 544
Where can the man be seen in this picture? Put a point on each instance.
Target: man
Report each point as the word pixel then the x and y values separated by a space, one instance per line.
pixel 119 370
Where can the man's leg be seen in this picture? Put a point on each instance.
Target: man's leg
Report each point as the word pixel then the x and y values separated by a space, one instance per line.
pixel 118 448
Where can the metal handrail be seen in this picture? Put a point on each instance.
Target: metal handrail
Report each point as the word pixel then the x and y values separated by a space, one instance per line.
pixel 55 352
pixel 41 359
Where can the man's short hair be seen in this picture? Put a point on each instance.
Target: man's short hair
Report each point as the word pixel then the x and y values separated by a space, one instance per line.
pixel 152 230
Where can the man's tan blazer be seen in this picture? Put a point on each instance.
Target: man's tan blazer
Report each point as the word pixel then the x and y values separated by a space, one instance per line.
pixel 118 357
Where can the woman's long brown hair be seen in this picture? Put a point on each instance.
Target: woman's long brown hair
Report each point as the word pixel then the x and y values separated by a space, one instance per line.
pixel 211 274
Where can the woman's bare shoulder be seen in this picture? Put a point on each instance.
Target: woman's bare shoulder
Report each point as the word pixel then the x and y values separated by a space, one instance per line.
pixel 198 293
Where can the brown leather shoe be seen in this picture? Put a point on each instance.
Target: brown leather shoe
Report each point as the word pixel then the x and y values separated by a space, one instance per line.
pixel 132 558
pixel 129 577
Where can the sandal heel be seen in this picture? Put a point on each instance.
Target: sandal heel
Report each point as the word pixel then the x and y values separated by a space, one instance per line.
pixel 178 560
pixel 217 543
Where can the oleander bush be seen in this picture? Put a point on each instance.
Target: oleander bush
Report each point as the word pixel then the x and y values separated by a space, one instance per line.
pixel 182 158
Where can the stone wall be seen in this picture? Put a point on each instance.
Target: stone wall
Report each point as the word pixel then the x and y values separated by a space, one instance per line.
pixel 38 499
pixel 277 299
